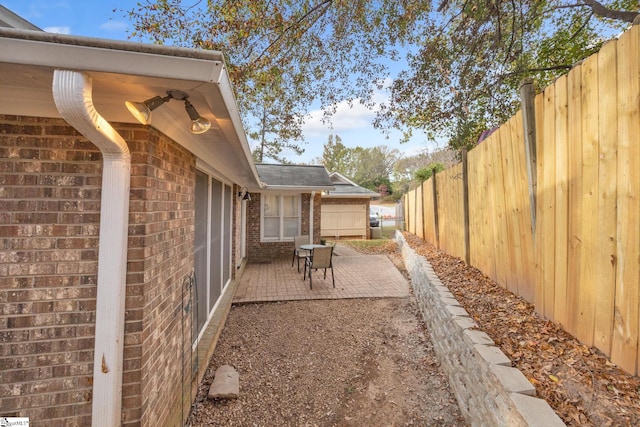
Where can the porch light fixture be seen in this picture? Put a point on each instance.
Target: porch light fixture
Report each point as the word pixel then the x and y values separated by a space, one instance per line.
pixel 142 110
pixel 244 194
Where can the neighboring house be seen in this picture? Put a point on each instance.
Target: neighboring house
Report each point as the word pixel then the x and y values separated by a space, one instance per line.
pixel 288 204
pixel 119 242
pixel 345 210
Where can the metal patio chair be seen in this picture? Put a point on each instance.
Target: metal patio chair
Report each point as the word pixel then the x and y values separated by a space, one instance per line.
pixel 297 252
pixel 319 258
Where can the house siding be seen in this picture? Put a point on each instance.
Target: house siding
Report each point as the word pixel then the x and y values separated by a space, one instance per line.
pixel 258 251
pixel 350 201
pixel 50 179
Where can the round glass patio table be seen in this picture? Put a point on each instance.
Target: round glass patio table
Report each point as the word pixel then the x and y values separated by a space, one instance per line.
pixel 311 247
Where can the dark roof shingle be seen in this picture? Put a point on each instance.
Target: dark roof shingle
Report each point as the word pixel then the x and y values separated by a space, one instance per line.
pixel 304 176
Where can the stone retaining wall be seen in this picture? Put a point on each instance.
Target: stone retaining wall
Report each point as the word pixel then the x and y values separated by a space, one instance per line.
pixel 490 392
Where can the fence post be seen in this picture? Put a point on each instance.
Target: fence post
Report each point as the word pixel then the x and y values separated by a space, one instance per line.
pixel 435 207
pixel 465 204
pixel 527 98
pixel 424 226
pixel 415 212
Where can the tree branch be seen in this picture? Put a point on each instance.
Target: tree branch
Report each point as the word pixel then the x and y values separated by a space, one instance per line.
pixel 605 12
pixel 536 70
pixel 296 23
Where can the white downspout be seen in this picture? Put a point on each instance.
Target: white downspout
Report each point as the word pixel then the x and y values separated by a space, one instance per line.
pixel 313 196
pixel 72 93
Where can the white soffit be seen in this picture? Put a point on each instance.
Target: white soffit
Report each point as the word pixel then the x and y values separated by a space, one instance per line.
pixel 123 71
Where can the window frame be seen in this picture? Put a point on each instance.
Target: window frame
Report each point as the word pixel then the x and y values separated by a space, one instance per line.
pixel 281 216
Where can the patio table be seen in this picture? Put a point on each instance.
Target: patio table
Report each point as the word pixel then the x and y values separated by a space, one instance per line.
pixel 311 247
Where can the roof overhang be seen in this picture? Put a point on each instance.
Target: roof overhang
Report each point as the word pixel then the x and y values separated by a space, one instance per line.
pixel 347 196
pixel 294 188
pixel 126 71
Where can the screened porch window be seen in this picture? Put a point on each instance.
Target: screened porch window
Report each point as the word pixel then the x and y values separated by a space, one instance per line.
pixel 280 216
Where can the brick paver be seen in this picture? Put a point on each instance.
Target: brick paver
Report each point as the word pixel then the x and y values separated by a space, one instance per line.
pixel 357 276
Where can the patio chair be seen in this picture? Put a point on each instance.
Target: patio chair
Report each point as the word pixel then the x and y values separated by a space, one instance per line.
pixel 297 252
pixel 319 258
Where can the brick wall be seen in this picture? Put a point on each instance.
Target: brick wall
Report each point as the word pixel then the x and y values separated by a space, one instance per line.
pixel 160 258
pixel 258 251
pixel 50 178
pixel 489 391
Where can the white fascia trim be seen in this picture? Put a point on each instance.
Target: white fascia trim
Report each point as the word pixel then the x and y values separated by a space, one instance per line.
pixel 313 195
pixel 343 178
pixel 347 196
pixel 224 84
pixel 72 93
pixel 109 56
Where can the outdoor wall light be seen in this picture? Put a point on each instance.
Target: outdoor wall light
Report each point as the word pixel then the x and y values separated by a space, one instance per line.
pixel 142 110
pixel 244 194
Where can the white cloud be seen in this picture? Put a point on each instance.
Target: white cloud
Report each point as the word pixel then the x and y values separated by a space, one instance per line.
pixel 346 117
pixel 114 26
pixel 58 29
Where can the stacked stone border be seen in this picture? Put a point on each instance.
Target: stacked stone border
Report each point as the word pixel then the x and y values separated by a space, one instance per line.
pixel 489 391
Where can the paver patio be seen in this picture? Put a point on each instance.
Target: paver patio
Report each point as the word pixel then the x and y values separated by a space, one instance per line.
pixel 357 276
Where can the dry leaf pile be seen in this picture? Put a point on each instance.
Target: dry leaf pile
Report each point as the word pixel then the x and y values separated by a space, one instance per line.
pixel 580 383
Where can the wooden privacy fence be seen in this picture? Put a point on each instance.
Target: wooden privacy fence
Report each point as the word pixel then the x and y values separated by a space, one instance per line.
pixel 581 266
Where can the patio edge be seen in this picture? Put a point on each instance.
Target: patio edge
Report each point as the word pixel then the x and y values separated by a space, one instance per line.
pixel 488 389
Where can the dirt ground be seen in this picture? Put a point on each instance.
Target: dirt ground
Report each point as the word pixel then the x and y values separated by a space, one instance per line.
pixel 370 362
pixel 358 362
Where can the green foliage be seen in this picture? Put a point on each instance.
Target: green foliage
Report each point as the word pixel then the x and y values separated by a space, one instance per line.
pixel 335 156
pixel 282 55
pixel 425 173
pixel 380 185
pixel 465 76
pixel 465 62
pixel 368 167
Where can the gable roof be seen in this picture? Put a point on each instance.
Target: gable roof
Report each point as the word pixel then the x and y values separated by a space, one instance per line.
pixel 294 177
pixel 11 20
pixel 126 71
pixel 345 188
pixel 338 178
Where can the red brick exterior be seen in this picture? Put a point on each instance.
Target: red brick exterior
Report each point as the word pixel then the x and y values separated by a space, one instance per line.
pixel 50 179
pixel 160 257
pixel 258 251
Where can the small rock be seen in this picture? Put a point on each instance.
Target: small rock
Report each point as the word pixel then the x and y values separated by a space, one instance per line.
pixel 226 383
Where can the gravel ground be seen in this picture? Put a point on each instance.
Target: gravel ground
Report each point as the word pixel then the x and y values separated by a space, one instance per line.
pixel 359 362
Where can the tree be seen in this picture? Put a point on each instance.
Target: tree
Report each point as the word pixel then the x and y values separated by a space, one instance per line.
pixel 464 77
pixel 282 55
pixel 275 131
pixel 335 156
pixel 404 168
pixel 372 164
pixel 367 167
pixel 466 58
pixel 426 172
pixel 380 185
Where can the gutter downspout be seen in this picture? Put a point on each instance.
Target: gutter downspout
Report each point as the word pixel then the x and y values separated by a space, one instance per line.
pixel 313 196
pixel 72 93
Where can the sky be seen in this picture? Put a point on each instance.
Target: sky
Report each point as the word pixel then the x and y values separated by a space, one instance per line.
pixel 107 19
